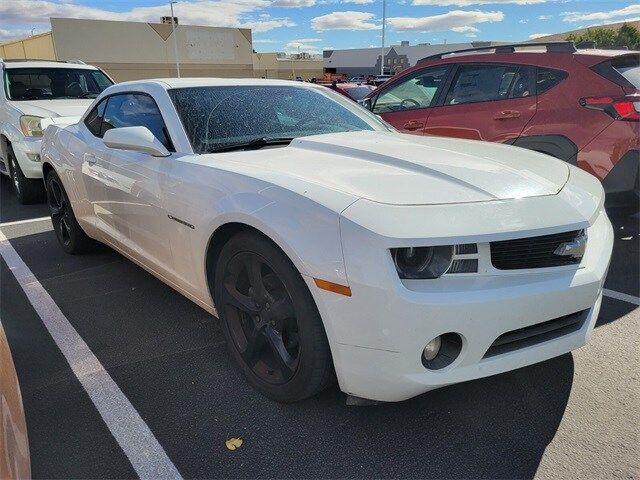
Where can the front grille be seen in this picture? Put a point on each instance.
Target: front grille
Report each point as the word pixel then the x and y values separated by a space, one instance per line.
pixel 534 334
pixel 532 252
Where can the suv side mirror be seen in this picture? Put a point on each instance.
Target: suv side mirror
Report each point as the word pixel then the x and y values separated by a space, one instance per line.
pixel 366 103
pixel 138 139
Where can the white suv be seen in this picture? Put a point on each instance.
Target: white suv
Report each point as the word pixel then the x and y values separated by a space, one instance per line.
pixel 34 94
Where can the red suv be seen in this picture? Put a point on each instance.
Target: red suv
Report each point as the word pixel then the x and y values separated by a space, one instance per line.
pixel 582 106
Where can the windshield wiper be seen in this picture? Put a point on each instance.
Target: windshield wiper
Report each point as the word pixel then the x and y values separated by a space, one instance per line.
pixel 254 144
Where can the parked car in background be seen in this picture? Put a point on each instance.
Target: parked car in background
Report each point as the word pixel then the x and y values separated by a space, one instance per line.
pixel 581 106
pixel 34 94
pixel 353 91
pixel 14 443
pixel 329 243
pixel 380 79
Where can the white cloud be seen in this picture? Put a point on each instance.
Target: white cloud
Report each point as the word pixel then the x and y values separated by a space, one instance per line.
pixel 265 25
pixel 465 29
pixel 545 17
pixel 7 35
pixel 359 2
pixel 293 3
pixel 523 21
pixel 220 13
pixel 581 16
pixel 533 36
pixel 265 40
pixel 344 21
pixel 447 21
pixel 303 45
pixel 466 3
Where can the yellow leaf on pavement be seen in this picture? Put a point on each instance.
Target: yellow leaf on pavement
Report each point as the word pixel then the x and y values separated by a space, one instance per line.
pixel 233 443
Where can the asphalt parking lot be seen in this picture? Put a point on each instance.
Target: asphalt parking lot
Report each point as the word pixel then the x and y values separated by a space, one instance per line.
pixel 574 416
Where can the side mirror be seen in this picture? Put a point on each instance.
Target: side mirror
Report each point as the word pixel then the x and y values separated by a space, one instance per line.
pixel 138 139
pixel 366 103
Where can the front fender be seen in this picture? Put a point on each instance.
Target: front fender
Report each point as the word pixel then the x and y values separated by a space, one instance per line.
pixel 307 232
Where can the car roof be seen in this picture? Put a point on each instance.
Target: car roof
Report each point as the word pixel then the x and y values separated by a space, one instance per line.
pixel 9 64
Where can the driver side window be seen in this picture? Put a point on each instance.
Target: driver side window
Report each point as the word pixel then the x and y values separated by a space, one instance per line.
pixel 419 90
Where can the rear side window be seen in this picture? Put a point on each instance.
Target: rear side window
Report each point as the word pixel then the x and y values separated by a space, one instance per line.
pixel 485 83
pixel 135 110
pixel 628 67
pixel 94 119
pixel 548 78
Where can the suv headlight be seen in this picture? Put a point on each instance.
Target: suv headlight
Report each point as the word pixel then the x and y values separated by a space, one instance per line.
pixel 422 262
pixel 31 126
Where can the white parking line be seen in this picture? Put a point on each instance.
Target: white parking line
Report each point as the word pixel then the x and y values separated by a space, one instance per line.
pixel 143 450
pixel 28 220
pixel 621 296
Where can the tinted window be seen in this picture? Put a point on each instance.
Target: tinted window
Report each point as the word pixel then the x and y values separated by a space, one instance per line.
pixel 481 83
pixel 135 110
pixel 629 67
pixel 358 93
pixel 548 78
pixel 418 90
pixel 54 83
pixel 214 117
pixel 93 121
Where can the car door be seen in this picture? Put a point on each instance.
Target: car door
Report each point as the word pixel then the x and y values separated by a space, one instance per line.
pixel 94 172
pixel 133 186
pixel 406 103
pixel 492 102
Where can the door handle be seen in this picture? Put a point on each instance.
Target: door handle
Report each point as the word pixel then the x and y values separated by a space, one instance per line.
pixel 90 158
pixel 506 114
pixel 413 125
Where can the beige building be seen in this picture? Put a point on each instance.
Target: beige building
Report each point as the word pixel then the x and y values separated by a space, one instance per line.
pixel 271 65
pixel 134 50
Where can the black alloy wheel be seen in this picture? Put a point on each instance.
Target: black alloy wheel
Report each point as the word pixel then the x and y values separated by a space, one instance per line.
pixel 270 320
pixel 261 318
pixel 70 235
pixel 60 210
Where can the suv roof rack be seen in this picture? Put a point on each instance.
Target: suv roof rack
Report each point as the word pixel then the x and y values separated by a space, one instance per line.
pixel 551 47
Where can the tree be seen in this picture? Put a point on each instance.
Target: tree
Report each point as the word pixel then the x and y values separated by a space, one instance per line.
pixel 626 36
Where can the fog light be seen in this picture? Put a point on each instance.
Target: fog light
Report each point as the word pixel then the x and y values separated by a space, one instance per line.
pixel 34 157
pixel 432 348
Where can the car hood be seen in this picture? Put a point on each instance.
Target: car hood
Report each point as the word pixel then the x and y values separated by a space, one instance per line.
pixel 403 169
pixel 54 108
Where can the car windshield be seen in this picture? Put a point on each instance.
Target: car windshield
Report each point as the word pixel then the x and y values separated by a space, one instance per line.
pixel 215 118
pixel 54 83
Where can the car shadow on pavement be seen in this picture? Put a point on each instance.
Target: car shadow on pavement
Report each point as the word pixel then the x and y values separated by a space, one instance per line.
pixel 11 210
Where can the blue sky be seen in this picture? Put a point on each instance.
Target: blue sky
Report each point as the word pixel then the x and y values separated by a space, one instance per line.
pixel 314 25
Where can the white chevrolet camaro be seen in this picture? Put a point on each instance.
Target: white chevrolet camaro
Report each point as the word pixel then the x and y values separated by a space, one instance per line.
pixel 329 244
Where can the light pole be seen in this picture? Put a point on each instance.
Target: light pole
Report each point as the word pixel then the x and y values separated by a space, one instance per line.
pixel 175 40
pixel 384 21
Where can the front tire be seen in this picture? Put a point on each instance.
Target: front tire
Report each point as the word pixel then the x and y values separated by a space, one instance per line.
pixel 27 190
pixel 70 235
pixel 270 321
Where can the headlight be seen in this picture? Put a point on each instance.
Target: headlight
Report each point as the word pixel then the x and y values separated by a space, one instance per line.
pixel 422 262
pixel 30 126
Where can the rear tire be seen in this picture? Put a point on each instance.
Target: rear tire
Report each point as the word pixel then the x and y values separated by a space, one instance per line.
pixel 270 321
pixel 27 190
pixel 70 235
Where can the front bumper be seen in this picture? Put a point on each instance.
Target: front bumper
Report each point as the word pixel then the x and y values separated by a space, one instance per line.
pixel 378 335
pixel 27 151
